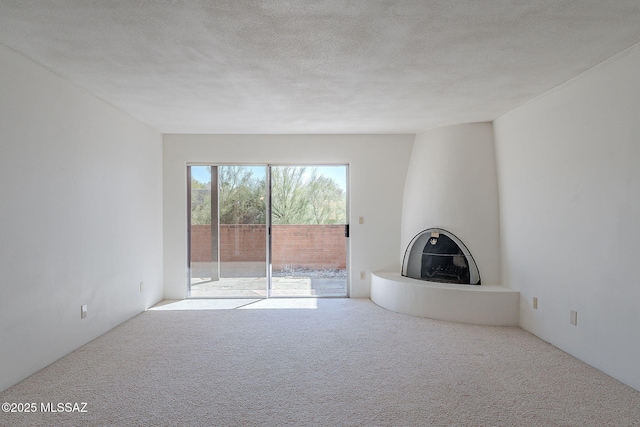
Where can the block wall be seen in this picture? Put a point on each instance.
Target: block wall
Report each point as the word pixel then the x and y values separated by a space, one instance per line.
pixel 309 246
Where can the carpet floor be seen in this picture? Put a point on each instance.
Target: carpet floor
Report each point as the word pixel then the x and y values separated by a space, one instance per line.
pixel 324 362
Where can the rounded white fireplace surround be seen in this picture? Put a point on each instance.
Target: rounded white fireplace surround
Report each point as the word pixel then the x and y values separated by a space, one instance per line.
pixel 452 184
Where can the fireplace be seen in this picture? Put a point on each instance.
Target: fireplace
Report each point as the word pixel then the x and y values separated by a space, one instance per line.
pixel 436 255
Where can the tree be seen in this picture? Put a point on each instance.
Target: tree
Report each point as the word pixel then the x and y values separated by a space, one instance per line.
pixel 327 202
pixel 298 197
pixel 241 196
pixel 200 202
pixel 289 202
pixel 301 197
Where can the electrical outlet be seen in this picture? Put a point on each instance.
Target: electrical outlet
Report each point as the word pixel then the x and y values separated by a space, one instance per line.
pixel 363 275
pixel 574 318
pixel 141 286
pixel 535 303
pixel 360 220
pixel 83 311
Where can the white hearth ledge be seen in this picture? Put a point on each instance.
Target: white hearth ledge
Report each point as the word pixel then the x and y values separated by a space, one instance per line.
pixel 479 305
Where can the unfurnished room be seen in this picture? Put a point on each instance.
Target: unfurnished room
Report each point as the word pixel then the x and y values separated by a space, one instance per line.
pixel 319 213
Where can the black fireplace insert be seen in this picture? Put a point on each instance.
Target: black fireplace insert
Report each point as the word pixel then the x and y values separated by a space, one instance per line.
pixel 436 255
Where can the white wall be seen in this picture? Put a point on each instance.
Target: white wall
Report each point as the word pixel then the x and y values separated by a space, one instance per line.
pixel 80 217
pixel 451 184
pixel 377 172
pixel 569 178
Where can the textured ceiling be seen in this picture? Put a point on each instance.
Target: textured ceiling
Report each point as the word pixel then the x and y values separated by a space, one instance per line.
pixel 317 66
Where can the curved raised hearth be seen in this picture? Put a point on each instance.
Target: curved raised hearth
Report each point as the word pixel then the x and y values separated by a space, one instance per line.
pixel 480 305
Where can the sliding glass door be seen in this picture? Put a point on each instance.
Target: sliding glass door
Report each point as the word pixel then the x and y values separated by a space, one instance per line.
pixel 259 231
pixel 308 230
pixel 227 231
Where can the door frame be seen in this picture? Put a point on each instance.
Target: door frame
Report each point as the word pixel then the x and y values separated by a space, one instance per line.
pixel 268 223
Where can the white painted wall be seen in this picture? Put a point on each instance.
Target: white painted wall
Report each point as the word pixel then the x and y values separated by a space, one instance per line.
pixel 80 217
pixel 569 177
pixel 377 171
pixel 451 184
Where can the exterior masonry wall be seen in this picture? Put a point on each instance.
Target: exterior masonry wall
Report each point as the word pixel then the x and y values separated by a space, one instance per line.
pixel 294 246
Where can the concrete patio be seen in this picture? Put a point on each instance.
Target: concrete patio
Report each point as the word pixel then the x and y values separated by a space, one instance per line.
pixel 280 286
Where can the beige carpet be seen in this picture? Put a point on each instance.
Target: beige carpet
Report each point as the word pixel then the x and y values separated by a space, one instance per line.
pixel 330 362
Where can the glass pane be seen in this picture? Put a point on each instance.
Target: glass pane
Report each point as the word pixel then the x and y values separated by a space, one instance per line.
pixel 233 263
pixel 309 213
pixel 243 231
pixel 203 249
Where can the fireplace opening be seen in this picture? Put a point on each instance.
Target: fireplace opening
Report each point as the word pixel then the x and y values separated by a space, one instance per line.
pixel 436 255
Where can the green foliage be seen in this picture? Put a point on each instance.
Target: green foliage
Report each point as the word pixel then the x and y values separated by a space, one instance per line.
pixel 200 207
pixel 327 201
pixel 200 202
pixel 297 197
pixel 315 200
pixel 288 195
pixel 241 196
